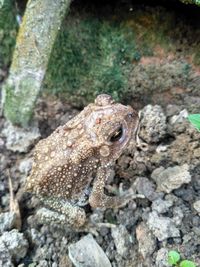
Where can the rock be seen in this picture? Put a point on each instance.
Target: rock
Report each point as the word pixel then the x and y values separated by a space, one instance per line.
pixel 161 148
pixel 7 221
pixel 5 257
pixel 121 239
pixel 35 237
pixel 20 139
pixel 161 206
pixel 196 206
pixel 81 256
pixel 25 166
pixel 146 241
pixel 178 215
pixel 153 124
pixel 172 110
pixel 171 178
pixel 146 187
pixel 162 258
pixel 162 227
pixel 180 117
pixel 14 244
pixel 197 152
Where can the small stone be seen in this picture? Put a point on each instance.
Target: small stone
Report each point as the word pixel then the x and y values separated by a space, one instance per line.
pixel 20 139
pixel 162 227
pixel 14 243
pixel 34 237
pixel 25 166
pixel 121 239
pixel 162 258
pixel 1 143
pixel 161 206
pixel 178 216
pixel 146 241
pixel 43 263
pixel 172 110
pixel 5 257
pixel 197 152
pixel 146 187
pixel 7 221
pixel 81 256
pixel 171 178
pixel 180 117
pixel 153 124
pixel 196 206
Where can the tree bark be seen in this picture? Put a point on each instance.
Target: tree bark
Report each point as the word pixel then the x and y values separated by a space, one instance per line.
pixel 41 23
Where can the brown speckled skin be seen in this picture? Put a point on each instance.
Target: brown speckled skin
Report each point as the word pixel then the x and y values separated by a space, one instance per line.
pixel 81 150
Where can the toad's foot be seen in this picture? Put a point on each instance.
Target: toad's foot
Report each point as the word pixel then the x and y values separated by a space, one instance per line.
pixel 123 196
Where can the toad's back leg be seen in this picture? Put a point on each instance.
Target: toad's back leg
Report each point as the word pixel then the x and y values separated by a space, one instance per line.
pixel 63 212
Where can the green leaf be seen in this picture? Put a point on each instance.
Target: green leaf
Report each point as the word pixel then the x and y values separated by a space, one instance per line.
pixel 173 257
pixel 194 119
pixel 187 263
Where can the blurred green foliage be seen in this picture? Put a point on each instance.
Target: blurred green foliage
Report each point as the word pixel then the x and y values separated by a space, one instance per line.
pixel 97 49
pixel 195 2
pixel 91 56
pixel 8 31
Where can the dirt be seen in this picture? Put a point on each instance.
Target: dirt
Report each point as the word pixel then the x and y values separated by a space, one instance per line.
pixel 147 228
pixel 48 244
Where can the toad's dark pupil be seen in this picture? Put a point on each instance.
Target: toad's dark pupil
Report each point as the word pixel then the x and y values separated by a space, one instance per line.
pixel 117 135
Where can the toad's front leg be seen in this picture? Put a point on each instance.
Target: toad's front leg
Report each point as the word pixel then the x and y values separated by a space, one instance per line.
pixel 98 199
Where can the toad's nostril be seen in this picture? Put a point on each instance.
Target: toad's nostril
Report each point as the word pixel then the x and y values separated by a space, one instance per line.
pixel 130 114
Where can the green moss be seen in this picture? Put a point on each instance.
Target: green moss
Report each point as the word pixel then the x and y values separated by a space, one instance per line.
pixel 8 31
pixel 98 50
pixel 96 54
pixel 91 56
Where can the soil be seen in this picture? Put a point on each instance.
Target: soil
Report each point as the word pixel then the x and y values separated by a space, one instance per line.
pixel 140 225
pixel 48 244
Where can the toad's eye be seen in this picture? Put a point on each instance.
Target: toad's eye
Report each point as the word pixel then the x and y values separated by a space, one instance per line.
pixel 117 135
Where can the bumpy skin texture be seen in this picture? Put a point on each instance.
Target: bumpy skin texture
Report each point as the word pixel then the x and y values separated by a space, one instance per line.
pixel 81 153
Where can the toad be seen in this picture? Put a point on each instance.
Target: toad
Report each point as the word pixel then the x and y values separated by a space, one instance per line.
pixel 72 165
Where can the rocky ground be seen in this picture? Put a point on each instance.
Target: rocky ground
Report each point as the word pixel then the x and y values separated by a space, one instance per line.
pixel 165 169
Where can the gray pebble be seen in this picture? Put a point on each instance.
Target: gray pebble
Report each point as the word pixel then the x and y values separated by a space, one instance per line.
pixel 121 240
pixel 162 258
pixel 153 124
pixel 171 178
pixel 14 243
pixel 161 206
pixel 7 221
pixel 87 253
pixel 162 227
pixel 146 240
pixel 20 139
